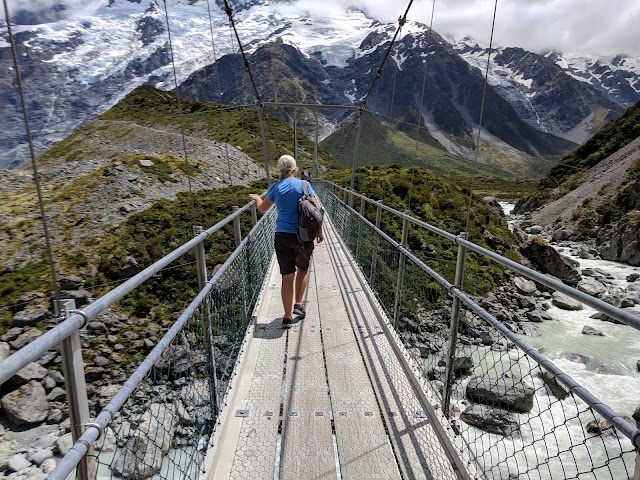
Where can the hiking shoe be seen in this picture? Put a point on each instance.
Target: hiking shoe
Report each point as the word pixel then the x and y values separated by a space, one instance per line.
pixel 298 309
pixel 287 322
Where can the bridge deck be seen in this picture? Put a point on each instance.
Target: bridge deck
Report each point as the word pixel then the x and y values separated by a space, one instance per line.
pixel 327 398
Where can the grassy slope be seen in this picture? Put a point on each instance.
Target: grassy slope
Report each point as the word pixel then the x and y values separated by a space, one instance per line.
pixel 234 125
pixel 565 176
pixel 380 145
pixel 444 205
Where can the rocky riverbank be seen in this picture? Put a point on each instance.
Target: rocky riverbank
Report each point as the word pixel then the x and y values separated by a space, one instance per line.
pixel 172 407
pixel 523 306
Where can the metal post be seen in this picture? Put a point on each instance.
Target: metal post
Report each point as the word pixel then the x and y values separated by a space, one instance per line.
pixel 636 475
pixel 237 233
pixel 76 388
pixel 376 241
pixel 401 262
pixel 201 267
pixel 264 146
pixel 315 150
pixel 353 166
pixel 453 329
pixel 254 214
pixel 363 205
pixel 295 137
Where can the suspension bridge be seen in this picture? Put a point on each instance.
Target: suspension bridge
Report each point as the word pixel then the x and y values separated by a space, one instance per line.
pixel 349 391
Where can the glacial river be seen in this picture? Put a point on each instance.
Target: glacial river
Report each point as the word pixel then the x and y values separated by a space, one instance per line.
pixel 606 365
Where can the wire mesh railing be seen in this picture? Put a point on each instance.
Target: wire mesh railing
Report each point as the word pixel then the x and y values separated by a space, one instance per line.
pixel 511 412
pixel 159 422
pixel 163 428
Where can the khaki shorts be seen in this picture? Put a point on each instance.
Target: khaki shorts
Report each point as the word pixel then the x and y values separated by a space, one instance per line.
pixel 290 254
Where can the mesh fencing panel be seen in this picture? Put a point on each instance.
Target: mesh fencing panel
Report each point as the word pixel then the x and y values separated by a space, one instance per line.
pixel 510 417
pixel 164 427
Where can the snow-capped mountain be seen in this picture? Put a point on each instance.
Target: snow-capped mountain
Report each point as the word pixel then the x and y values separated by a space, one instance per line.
pixel 568 95
pixel 76 65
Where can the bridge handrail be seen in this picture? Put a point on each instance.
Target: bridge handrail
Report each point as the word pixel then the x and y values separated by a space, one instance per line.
pixel 34 350
pixel 94 430
pixel 600 305
pixel 592 401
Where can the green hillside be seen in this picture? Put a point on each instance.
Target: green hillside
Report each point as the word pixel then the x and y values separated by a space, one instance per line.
pixel 445 205
pixel 566 176
pixel 385 144
pixel 237 126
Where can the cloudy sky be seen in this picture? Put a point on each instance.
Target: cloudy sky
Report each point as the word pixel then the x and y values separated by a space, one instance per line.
pixel 597 26
pixel 600 26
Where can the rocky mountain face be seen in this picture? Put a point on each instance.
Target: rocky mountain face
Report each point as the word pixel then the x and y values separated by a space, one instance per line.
pixel 451 109
pixel 74 66
pixel 594 194
pixel 568 96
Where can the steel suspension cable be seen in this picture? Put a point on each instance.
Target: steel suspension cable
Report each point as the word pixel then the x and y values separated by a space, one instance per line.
pixel 229 12
pixel 424 82
pixel 215 59
pixel 180 116
pixel 484 93
pixel 401 22
pixel 34 163
pixel 395 76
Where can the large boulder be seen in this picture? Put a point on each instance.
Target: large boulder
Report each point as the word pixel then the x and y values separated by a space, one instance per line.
pixel 591 286
pixel 558 389
pixel 141 456
pixel 27 405
pixel 564 302
pixel 492 420
pixel 32 371
pixel 525 286
pixel 547 260
pixel 29 316
pixel 509 393
pixel 621 244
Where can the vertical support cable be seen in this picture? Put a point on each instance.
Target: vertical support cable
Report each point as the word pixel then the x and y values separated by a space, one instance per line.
pixel 34 163
pixel 355 156
pixel 424 83
pixel 295 136
pixel 484 93
pixel 401 263
pixel 180 116
pixel 264 146
pixel 76 388
pixel 453 328
pixel 205 309
pixel 222 120
pixel 315 150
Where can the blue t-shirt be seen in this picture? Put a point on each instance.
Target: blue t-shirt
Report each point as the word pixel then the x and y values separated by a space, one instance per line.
pixel 285 194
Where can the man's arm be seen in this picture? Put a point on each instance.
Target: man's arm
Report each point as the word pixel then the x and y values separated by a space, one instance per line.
pixel 261 205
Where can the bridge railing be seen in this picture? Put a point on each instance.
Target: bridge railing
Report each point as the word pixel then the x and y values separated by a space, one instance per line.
pixel 508 409
pixel 160 420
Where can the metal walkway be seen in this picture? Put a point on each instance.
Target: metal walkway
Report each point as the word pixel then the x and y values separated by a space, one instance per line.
pixel 327 398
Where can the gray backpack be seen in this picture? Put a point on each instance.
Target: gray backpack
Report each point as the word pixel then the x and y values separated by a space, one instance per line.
pixel 309 217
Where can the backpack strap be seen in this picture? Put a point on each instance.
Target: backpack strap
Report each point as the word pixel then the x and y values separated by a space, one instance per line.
pixel 304 188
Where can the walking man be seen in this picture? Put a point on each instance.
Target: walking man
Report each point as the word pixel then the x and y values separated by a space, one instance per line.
pixel 293 257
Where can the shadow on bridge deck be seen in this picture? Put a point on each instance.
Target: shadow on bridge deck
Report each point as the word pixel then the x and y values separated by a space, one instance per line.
pixel 327 398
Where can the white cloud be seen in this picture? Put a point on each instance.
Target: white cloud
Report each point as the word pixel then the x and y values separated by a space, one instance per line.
pixel 73 8
pixel 596 26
